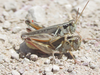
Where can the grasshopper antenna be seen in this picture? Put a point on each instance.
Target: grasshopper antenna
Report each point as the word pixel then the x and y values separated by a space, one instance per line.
pixel 81 12
pixel 77 13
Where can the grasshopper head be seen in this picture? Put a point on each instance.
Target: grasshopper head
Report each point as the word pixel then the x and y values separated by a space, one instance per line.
pixel 72 23
pixel 72 26
pixel 72 43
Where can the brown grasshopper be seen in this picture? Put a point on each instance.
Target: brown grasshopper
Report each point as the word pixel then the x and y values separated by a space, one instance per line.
pixel 54 38
pixel 49 45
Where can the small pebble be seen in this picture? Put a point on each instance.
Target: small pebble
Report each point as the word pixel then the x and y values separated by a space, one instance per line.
pixel 26 60
pixel 68 7
pixel 70 69
pixel 20 14
pixel 57 61
pixel 7 59
pixel 40 71
pixel 64 58
pixel 47 61
pixel 28 55
pixel 5 15
pixel 15 72
pixel 3 37
pixel 85 63
pixel 28 73
pixel 14 54
pixel 62 2
pixel 37 64
pixel 1 58
pixel 92 65
pixel 55 68
pixel 61 67
pixel 1 19
pixel 47 69
pixel 33 57
pixel 61 64
pixel 49 73
pixel 73 73
pixel 11 5
pixel 86 59
pixel 6 25
pixel 16 29
pixel 35 12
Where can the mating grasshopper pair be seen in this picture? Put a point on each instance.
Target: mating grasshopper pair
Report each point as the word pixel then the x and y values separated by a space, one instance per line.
pixel 54 39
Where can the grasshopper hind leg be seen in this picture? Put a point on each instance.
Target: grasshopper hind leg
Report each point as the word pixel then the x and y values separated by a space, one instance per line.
pixel 75 60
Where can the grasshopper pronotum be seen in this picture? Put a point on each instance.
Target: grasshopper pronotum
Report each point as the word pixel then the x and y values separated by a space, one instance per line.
pixel 54 38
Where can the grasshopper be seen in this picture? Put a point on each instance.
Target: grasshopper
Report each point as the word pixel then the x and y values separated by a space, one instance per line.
pixel 54 38
pixel 48 45
pixel 56 30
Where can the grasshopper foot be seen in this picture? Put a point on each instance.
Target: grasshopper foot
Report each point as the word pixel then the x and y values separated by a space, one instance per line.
pixel 77 62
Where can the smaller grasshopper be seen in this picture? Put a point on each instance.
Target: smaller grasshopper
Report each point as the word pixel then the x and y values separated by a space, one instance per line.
pixel 56 30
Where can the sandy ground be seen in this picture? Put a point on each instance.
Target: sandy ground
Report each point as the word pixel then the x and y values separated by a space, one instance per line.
pixel 48 12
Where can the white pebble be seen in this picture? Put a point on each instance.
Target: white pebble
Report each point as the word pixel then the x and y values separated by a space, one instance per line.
pixel 85 63
pixel 47 61
pixel 35 12
pixel 27 73
pixel 16 29
pixel 49 73
pixel 20 14
pixel 3 37
pixel 55 68
pixel 34 57
pixel 7 59
pixel 14 54
pixel 11 5
pixel 1 58
pixel 70 69
pixel 62 2
pixel 68 7
pixel 47 69
pixel 57 61
pixel 61 64
pixel 14 72
pixel 6 15
pixel 1 19
pixel 7 24
pixel 26 60
pixel 92 65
